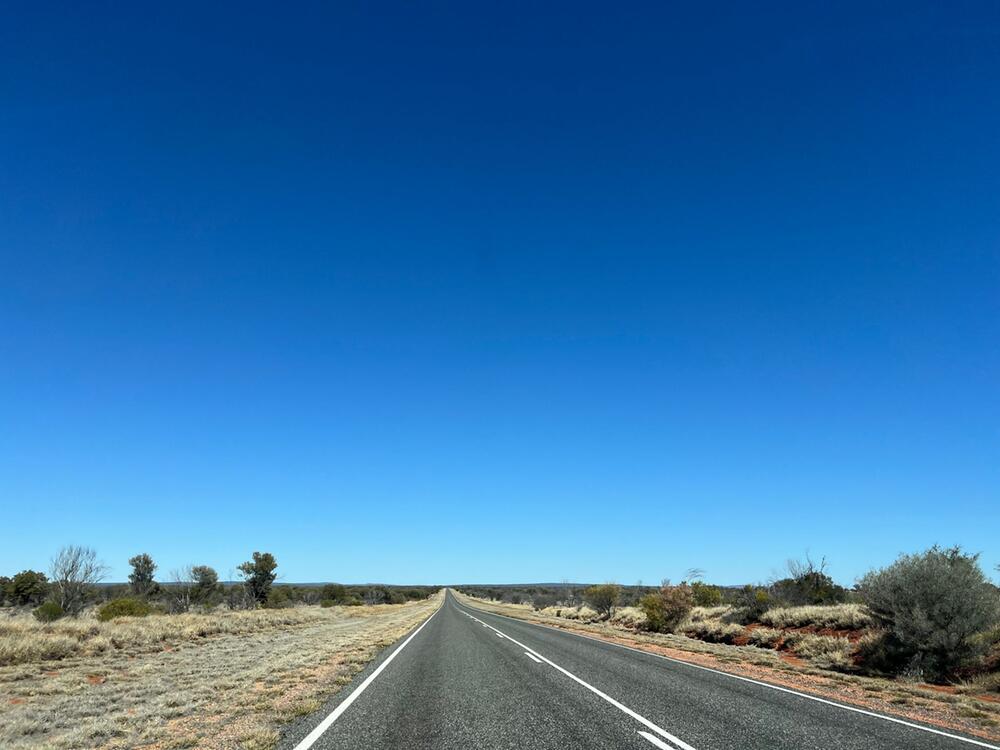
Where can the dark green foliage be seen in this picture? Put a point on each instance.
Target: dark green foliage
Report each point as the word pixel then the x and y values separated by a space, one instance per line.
pixel 706 595
pixel 335 592
pixel 603 598
pixel 206 585
pixel 126 607
pixel 933 604
pixel 258 576
pixel 749 603
pixel 278 598
pixel 667 608
pixel 807 584
pixel 27 587
pixel 141 577
pixel 327 603
pixel 48 612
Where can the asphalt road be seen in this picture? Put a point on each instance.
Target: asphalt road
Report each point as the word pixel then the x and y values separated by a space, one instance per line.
pixel 470 679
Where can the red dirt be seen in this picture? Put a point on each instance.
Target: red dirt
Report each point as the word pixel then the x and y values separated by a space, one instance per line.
pixel 16 701
pixel 96 679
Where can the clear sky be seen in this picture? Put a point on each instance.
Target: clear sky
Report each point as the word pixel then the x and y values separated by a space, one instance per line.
pixel 468 292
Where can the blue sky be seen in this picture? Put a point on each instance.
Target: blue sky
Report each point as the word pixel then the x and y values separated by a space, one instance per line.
pixel 493 293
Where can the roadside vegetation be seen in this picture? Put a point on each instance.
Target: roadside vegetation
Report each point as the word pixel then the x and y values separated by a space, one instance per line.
pixel 185 662
pixel 929 618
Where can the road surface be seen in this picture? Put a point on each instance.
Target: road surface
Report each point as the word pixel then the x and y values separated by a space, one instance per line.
pixel 470 679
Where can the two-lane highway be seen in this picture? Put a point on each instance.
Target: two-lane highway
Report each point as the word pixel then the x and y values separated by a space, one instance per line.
pixel 471 679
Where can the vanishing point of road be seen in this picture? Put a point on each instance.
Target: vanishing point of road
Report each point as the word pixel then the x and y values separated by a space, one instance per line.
pixel 466 678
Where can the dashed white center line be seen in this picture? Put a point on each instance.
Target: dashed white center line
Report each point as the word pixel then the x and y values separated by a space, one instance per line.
pixel 532 657
pixel 656 741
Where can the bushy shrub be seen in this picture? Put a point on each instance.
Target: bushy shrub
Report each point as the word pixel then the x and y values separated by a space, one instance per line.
pixel 749 603
pixel 667 608
pixel 603 598
pixel 48 612
pixel 27 587
pixel 705 595
pixel 327 603
pixel 334 592
pixel 932 604
pixel 277 598
pixel 807 583
pixel 126 607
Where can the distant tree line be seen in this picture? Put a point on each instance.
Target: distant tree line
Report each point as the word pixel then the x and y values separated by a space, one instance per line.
pixel 75 581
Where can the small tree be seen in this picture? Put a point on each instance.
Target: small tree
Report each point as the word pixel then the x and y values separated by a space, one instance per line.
pixel 28 587
pixel 258 575
pixel 603 598
pixel 141 577
pixel 933 603
pixel 74 571
pixel 206 584
pixel 667 608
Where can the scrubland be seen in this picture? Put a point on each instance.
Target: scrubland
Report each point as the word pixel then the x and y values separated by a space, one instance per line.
pixel 222 681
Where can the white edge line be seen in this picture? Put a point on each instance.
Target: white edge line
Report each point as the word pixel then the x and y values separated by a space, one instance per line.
pixel 317 732
pixel 532 657
pixel 656 741
pixel 755 682
pixel 621 707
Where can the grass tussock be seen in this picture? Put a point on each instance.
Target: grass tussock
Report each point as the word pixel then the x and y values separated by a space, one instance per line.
pixel 836 617
pixel 582 613
pixel 24 640
pixel 629 617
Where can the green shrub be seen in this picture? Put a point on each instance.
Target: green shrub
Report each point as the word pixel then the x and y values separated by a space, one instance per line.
pixel 807 584
pixel 126 607
pixel 603 598
pixel 749 603
pixel 48 612
pixel 667 608
pixel 334 592
pixel 933 604
pixel 327 603
pixel 705 595
pixel 27 587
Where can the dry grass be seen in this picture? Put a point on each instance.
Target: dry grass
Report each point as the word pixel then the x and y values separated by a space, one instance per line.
pixel 221 681
pixel 24 640
pixel 582 612
pixel 836 616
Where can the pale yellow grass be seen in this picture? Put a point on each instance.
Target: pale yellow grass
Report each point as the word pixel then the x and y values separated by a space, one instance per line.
pixel 223 681
pixel 836 616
